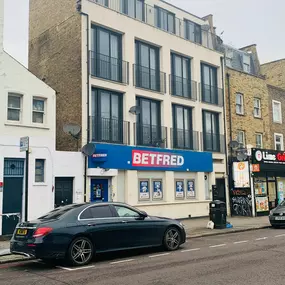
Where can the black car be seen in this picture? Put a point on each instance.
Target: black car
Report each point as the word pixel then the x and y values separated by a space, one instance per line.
pixel 277 216
pixel 76 232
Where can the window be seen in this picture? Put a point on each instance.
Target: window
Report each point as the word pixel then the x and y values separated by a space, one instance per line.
pixel 278 141
pixel 193 32
pixel 229 57
pixel 246 63
pixel 257 108
pixel 148 123
pixel 126 212
pixel 107 116
pixel 106 54
pixel 277 113
pixel 133 8
pixel 239 104
pixel 14 107
pixel 259 140
pixel 182 127
pixel 241 138
pixel 209 84
pixel 96 212
pixel 211 131
pixel 103 2
pixel 147 66
pixel 58 212
pixel 164 19
pixel 38 110
pixel 181 76
pixel 40 171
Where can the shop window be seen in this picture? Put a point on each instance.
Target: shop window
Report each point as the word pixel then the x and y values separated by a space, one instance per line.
pixel 239 104
pixel 257 108
pixel 278 141
pixel 40 171
pixel 277 113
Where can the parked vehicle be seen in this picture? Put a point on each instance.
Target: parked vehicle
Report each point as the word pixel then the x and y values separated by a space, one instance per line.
pixel 277 216
pixel 76 232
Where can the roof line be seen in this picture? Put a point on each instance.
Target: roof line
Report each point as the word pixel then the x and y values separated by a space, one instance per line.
pixel 252 45
pixel 276 87
pixel 281 59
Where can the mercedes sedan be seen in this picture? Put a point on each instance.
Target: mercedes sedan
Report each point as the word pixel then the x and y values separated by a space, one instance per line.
pixel 277 216
pixel 76 232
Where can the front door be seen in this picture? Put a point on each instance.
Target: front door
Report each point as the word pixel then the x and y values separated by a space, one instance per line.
pixel 220 193
pixel 99 190
pixel 63 191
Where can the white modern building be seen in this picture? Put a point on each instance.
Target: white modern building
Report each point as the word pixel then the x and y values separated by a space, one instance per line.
pixel 150 85
pixel 28 109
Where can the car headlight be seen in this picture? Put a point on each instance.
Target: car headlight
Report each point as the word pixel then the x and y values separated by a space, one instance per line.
pixel 271 213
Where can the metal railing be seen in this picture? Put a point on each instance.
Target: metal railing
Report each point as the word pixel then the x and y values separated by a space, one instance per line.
pixel 211 94
pixel 150 135
pixel 109 68
pixel 184 139
pixel 213 142
pixel 148 78
pixel 109 130
pixel 182 87
pixel 146 13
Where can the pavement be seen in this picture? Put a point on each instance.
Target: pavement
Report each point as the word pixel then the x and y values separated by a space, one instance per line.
pixel 195 228
pixel 253 257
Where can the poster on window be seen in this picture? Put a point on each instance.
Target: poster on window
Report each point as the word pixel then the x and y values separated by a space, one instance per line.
pixel 280 192
pixel 261 204
pixel 157 190
pixel 144 190
pixel 241 174
pixel 179 193
pixel 191 189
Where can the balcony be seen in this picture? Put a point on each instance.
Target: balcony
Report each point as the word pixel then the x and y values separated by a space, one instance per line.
pixel 183 87
pixel 184 139
pixel 213 142
pixel 152 136
pixel 146 14
pixel 109 68
pixel 211 95
pixel 107 130
pixel 148 78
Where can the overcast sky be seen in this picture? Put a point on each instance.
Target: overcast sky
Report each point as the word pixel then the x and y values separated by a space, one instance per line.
pixel 243 22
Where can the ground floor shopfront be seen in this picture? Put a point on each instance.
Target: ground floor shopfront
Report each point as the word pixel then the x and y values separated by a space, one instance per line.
pixel 176 184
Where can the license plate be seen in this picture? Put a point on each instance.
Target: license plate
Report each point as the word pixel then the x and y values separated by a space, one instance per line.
pixel 279 218
pixel 22 232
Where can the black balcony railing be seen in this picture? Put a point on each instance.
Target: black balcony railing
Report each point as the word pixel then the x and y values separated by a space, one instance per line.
pixel 184 139
pixel 109 130
pixel 183 87
pixel 148 78
pixel 211 94
pixel 109 68
pixel 213 142
pixel 149 135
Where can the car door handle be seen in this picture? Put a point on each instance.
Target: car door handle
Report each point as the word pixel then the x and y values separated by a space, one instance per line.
pixel 124 222
pixel 91 225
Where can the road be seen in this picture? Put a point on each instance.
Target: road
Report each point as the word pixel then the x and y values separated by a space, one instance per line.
pixel 255 257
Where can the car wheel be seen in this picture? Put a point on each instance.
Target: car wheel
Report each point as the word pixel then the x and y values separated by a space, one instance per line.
pixel 80 251
pixel 172 239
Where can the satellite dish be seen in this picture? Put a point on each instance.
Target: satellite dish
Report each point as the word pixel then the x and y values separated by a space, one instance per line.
pixel 72 129
pixel 135 110
pixel 88 149
pixel 234 144
pixel 241 154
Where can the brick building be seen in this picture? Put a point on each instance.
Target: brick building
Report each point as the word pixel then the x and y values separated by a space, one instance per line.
pixel 274 72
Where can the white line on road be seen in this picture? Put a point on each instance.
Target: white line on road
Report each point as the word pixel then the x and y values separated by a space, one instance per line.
pixel 74 269
pixel 218 245
pixel 261 238
pixel 242 241
pixel 192 249
pixel 121 261
pixel 283 235
pixel 157 255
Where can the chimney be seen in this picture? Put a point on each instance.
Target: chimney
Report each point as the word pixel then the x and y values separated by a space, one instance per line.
pixel 1 23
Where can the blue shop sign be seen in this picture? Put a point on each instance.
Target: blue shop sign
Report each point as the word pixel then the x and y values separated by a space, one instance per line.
pixel 157 159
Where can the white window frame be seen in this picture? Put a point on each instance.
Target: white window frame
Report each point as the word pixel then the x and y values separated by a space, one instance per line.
pixel 243 137
pixel 37 111
pixel 282 141
pixel 258 108
pixel 14 94
pixel 280 110
pixel 241 105
pixel 261 140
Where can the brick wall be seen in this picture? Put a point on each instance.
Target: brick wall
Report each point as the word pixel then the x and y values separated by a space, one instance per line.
pixel 250 86
pixel 275 73
pixel 55 56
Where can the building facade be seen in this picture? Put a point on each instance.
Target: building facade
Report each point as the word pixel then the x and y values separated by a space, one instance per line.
pixel 145 81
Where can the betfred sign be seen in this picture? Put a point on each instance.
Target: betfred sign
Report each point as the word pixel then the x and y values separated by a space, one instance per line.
pixel 141 158
pixel 268 156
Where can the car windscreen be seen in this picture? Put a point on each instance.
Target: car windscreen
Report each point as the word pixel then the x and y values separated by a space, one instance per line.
pixel 55 214
pixel 282 204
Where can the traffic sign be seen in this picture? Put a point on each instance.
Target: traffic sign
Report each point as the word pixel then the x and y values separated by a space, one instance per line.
pixel 24 144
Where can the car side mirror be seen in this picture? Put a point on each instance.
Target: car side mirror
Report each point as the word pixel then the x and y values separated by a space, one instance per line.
pixel 143 214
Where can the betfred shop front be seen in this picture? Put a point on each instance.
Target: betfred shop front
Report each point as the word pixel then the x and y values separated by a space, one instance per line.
pixel 268 172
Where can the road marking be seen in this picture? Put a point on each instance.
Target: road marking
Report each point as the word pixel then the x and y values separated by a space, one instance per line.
pixel 157 255
pixel 283 235
pixel 121 261
pixel 192 249
pixel 218 245
pixel 242 241
pixel 74 269
pixel 263 238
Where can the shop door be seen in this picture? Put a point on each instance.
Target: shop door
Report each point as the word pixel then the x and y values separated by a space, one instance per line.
pixel 220 193
pixel 63 191
pixel 272 197
pixel 99 190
